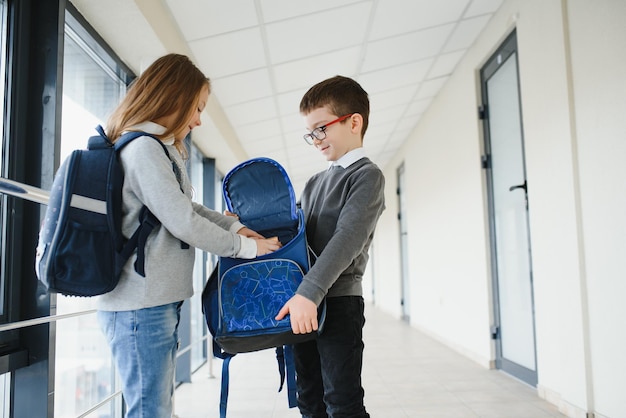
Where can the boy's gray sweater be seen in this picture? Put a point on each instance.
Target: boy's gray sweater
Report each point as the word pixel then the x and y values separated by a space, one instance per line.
pixel 149 180
pixel 341 208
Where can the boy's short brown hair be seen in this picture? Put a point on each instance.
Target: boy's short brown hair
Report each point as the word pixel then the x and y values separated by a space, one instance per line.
pixel 342 95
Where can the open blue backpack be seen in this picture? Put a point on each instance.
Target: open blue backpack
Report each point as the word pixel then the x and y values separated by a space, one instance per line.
pixel 242 297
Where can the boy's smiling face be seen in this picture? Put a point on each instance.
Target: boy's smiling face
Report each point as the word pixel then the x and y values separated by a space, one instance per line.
pixel 341 137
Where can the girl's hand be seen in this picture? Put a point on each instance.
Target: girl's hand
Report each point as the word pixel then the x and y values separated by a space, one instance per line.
pixel 234 215
pixel 247 232
pixel 267 245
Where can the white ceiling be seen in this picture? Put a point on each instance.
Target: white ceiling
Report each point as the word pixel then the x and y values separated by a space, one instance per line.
pixel 262 56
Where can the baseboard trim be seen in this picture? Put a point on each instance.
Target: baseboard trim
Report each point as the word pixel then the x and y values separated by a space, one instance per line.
pixel 566 408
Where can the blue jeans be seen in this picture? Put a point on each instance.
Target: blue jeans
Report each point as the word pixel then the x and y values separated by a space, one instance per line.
pixel 144 344
pixel 329 368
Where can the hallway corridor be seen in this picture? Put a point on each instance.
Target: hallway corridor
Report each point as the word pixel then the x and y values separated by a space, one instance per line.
pixel 406 374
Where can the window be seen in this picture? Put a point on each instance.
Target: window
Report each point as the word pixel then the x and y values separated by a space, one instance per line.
pixel 5 395
pixel 3 215
pixel 5 379
pixel 84 372
pixel 197 328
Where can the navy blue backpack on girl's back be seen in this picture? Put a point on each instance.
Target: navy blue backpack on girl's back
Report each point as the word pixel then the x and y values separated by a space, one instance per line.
pixel 81 249
pixel 242 297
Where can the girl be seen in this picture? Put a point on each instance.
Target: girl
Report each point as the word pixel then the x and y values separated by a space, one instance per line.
pixel 140 316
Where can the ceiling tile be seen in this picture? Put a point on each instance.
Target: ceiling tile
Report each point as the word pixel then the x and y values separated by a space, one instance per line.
pixel 418 107
pixel 445 64
pixel 391 98
pixel 407 124
pixel 242 87
pixel 388 115
pixel 251 112
pixel 284 9
pixel 211 17
pixel 430 88
pixel 117 21
pixel 289 103
pixel 379 129
pixel 293 125
pixel 304 73
pixel 258 131
pixel 414 46
pixel 399 76
pixel 479 7
pixel 401 133
pixel 263 147
pixel 302 37
pixel 231 53
pixel 394 17
pixel 466 32
pixel 275 154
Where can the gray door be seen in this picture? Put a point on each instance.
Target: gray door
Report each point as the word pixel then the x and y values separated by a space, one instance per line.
pixel 514 327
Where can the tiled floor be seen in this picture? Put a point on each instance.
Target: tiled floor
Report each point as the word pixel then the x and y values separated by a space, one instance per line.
pixel 405 375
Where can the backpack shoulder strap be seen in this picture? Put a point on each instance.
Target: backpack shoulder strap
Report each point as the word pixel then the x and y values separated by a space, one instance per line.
pixel 126 138
pixel 287 370
pixel 225 381
pixel 147 220
pixel 290 369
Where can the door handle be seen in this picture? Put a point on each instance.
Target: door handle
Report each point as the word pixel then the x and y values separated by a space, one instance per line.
pixel 519 186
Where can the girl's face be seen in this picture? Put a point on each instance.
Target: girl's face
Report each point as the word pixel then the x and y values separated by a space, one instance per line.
pixel 194 120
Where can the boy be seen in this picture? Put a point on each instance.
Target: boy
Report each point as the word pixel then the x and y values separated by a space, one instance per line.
pixel 341 207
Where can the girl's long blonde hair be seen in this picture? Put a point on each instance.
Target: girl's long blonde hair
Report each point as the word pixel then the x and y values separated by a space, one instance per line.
pixel 169 86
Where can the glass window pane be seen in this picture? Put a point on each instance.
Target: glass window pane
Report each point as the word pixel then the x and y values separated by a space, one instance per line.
pixel 5 395
pixel 90 94
pixel 3 42
pixel 84 371
pixel 198 351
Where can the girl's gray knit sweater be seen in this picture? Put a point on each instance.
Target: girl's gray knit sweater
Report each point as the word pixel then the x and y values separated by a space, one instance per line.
pixel 149 180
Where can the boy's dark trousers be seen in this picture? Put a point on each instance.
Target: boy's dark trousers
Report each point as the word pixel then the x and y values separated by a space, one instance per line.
pixel 329 368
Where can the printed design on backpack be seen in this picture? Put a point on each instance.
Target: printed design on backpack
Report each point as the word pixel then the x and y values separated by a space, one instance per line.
pixel 256 292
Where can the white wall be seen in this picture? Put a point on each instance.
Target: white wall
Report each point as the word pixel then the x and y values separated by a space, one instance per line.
pixel 598 55
pixel 573 91
pixel 553 209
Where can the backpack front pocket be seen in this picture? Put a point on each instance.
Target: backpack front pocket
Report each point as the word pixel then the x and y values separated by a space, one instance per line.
pixel 252 293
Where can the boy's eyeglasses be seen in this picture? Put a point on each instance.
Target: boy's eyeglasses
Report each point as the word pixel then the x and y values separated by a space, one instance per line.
pixel 319 133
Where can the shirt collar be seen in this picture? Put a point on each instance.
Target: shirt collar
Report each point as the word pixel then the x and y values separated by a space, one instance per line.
pixel 349 158
pixel 154 129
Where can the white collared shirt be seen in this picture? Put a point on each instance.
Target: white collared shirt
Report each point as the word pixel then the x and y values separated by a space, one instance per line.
pixel 349 158
pixel 153 128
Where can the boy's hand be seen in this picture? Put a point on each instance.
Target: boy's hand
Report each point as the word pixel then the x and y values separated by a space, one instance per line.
pixel 266 245
pixel 302 312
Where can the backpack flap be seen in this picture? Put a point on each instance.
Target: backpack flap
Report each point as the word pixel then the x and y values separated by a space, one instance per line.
pixel 260 193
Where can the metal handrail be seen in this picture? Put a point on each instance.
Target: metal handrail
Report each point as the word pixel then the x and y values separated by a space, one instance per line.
pixel 24 191
pixel 100 404
pixel 42 320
